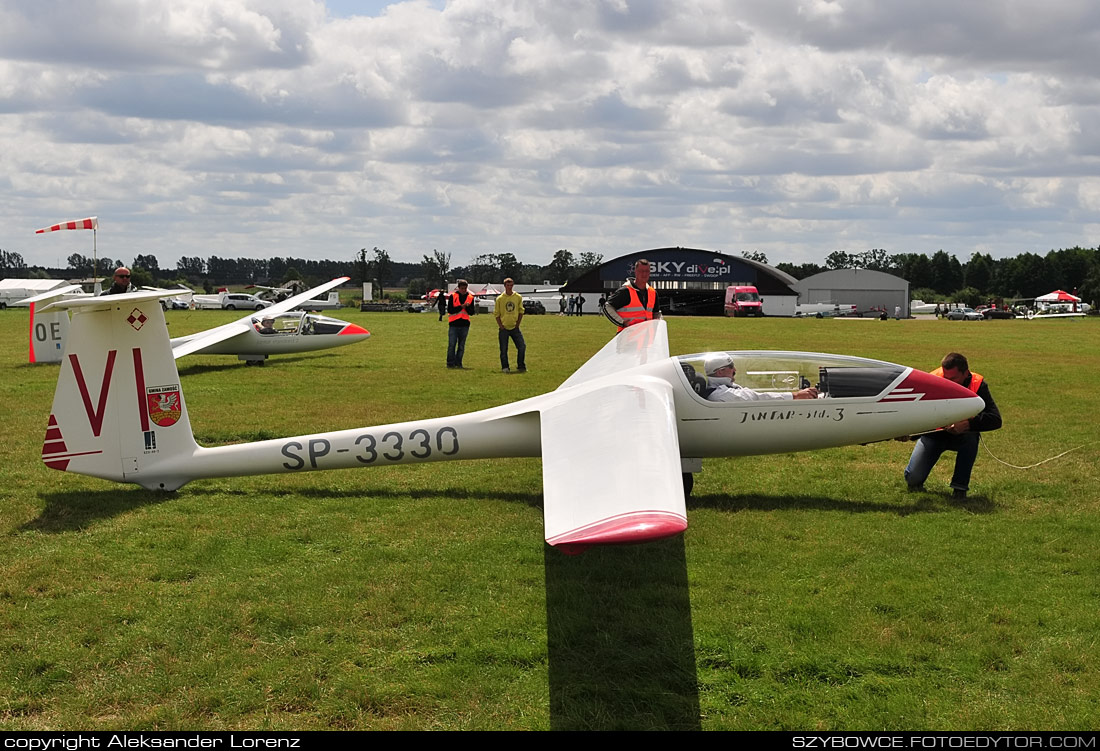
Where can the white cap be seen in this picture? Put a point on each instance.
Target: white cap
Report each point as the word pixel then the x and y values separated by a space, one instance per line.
pixel 716 362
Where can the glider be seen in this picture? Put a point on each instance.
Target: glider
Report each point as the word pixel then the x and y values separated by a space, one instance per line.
pixel 247 338
pixel 119 413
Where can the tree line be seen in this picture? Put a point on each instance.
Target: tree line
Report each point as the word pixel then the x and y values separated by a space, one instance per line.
pixel 940 276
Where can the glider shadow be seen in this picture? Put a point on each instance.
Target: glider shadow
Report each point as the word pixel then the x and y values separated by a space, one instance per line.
pixel 919 503
pixel 619 638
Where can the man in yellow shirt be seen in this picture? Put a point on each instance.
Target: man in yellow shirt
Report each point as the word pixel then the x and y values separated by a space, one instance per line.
pixel 508 311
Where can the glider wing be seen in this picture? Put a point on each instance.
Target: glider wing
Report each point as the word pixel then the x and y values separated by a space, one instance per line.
pixel 640 344
pixel 595 496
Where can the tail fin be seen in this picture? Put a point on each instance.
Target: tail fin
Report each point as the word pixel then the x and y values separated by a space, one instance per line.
pixel 118 411
pixel 48 330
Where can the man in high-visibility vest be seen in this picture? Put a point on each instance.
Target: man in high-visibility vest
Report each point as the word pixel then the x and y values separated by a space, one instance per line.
pixel 635 301
pixel 460 304
pixel 960 437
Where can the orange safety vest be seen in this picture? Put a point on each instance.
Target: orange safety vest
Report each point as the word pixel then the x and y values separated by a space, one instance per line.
pixel 975 379
pixel 461 315
pixel 635 311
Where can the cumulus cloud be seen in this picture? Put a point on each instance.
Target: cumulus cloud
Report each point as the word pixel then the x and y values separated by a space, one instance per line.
pixel 796 127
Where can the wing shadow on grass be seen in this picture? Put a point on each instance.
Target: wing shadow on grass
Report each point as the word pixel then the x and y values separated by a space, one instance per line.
pixel 202 368
pixel 620 641
pixel 919 503
pixel 68 512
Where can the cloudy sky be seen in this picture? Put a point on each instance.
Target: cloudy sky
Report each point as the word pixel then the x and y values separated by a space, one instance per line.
pixel 253 128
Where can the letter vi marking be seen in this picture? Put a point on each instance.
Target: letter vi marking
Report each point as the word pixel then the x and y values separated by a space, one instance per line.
pixel 95 417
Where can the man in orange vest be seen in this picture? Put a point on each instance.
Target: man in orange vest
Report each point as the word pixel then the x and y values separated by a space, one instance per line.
pixel 635 301
pixel 460 304
pixel 960 437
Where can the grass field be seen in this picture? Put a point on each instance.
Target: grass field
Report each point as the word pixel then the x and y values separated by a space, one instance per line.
pixel 811 591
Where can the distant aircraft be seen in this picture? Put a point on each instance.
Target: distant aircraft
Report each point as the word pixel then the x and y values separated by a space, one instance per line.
pixel 108 421
pixel 290 331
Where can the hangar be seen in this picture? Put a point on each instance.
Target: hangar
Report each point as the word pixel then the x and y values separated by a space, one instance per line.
pixel 690 281
pixel 870 291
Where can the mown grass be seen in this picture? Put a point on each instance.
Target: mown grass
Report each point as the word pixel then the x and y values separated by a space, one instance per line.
pixel 810 591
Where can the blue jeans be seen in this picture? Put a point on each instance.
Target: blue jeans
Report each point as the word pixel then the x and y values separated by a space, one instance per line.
pixel 456 345
pixel 928 451
pixel 521 347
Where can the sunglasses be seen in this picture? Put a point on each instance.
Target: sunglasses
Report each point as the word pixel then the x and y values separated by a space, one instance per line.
pixel 122 276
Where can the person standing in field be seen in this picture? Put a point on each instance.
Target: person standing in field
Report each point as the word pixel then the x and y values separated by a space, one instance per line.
pixel 508 310
pixel 460 304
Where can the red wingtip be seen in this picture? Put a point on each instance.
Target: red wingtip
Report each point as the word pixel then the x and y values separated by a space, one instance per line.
pixel 635 527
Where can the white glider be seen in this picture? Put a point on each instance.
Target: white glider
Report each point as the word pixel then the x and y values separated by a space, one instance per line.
pixel 119 413
pixel 290 332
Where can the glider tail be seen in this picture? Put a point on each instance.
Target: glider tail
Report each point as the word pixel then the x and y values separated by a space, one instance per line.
pixel 118 411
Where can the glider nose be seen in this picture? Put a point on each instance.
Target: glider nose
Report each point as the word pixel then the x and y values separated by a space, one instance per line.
pixel 352 330
pixel 955 402
pixel 930 387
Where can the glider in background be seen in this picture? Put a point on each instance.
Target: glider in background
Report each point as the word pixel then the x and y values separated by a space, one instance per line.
pixel 119 413
pixel 276 330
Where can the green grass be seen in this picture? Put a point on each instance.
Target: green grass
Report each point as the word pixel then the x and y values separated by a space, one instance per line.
pixel 811 591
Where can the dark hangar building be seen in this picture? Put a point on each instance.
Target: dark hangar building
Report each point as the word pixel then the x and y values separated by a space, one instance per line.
pixel 690 281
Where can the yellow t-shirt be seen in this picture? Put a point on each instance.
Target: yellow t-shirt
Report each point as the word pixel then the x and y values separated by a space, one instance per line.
pixel 507 309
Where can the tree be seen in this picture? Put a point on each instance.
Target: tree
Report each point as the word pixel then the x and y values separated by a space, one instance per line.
pixel 946 273
pixel 377 269
pixel 80 265
pixel 591 261
pixel 481 269
pixel 560 267
pixel 507 265
pixel 916 268
pixel 755 255
pixel 11 261
pixel 418 286
pixel 801 271
pixel 147 262
pixel 875 259
pixel 838 259
pixel 979 273
pixel 435 267
pixel 191 267
pixel 139 277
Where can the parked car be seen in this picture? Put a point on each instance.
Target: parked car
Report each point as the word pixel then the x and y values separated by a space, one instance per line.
pixel 963 314
pixel 533 308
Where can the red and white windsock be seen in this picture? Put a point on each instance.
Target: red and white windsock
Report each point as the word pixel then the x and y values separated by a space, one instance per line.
pixel 91 222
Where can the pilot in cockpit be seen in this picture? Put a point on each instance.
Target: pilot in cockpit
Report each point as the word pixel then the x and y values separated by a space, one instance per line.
pixel 720 372
pixel 267 325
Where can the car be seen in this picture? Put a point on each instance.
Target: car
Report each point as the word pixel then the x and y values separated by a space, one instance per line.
pixel 533 308
pixel 174 303
pixel 240 300
pixel 963 314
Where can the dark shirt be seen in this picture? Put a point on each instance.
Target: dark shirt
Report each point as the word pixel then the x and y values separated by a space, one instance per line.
pixel 621 298
pixel 117 290
pixel 990 417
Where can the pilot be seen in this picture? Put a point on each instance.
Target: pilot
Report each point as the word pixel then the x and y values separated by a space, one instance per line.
pixel 720 372
pixel 120 284
pixel 267 325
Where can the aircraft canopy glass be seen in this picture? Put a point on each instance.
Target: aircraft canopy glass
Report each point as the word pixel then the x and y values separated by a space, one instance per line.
pixel 833 375
pixel 296 322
